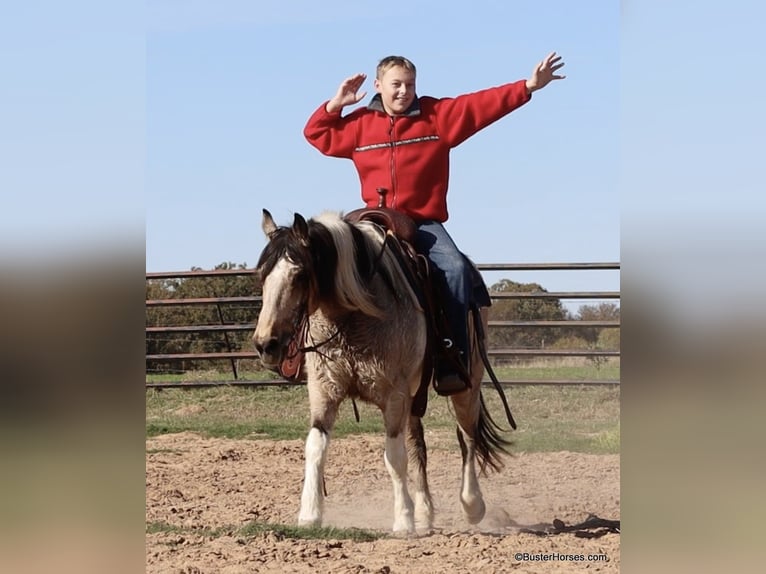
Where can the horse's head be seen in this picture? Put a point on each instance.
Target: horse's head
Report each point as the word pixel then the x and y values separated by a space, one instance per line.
pixel 307 266
pixel 285 273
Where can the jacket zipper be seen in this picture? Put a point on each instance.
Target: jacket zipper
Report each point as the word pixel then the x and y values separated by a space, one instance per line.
pixel 392 163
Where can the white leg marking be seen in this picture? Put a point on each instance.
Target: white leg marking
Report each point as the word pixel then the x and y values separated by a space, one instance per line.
pixel 312 499
pixel 396 463
pixel 470 493
pixel 424 511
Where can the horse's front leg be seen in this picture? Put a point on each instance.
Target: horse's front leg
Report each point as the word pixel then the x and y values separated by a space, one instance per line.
pixel 322 420
pixel 312 499
pixel 397 409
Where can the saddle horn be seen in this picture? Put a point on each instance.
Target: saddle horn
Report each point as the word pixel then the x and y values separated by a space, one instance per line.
pixel 382 191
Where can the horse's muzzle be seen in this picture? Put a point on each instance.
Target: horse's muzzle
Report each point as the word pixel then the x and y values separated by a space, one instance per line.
pixel 271 352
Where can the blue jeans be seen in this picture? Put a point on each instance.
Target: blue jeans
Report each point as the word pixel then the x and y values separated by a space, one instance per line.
pixel 453 269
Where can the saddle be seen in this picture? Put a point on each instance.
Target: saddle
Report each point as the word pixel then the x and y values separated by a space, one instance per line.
pixel 401 225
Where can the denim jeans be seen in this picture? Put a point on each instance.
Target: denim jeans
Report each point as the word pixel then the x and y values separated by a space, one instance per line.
pixel 453 269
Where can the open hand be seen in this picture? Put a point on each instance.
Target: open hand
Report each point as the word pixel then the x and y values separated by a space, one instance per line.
pixel 347 93
pixel 545 72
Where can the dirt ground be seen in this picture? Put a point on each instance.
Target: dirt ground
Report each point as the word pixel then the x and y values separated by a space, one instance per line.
pixel 197 483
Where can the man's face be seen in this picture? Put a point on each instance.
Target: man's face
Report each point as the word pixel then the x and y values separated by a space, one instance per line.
pixel 397 89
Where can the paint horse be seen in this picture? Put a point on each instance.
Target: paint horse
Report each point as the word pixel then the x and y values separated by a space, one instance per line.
pixel 341 289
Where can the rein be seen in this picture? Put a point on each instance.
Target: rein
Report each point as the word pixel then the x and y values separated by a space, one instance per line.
pixel 290 368
pixel 379 257
pixel 315 348
pixel 302 332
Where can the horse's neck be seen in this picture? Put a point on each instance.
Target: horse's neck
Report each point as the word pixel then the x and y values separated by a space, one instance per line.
pixel 329 318
pixel 326 319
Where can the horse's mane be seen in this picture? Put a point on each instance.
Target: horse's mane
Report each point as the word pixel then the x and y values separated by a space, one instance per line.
pixel 353 262
pixel 340 261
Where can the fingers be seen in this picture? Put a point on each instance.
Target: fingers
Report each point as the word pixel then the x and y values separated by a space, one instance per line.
pixel 551 58
pixel 354 82
pixel 550 65
pixel 555 65
pixel 553 61
pixel 347 91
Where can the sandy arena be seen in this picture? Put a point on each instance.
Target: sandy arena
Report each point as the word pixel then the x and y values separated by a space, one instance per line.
pixel 202 484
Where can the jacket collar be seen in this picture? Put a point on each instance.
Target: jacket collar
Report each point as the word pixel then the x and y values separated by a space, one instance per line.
pixel 376 104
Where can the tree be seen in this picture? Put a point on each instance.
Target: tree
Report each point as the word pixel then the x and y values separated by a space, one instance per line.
pixel 597 336
pixel 209 314
pixel 525 309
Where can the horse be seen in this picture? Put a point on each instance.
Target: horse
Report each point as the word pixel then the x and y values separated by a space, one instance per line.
pixel 339 287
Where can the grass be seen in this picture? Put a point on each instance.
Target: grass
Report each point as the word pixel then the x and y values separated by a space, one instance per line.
pixel 571 369
pixel 279 413
pixel 566 368
pixel 281 531
pixel 576 418
pixel 210 376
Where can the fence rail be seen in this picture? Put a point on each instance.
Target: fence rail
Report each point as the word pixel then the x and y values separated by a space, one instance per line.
pixel 234 355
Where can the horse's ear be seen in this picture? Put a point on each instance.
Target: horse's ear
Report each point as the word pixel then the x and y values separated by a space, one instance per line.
pixel 267 224
pixel 301 229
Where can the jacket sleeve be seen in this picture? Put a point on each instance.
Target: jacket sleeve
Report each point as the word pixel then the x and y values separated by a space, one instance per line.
pixel 330 133
pixel 461 117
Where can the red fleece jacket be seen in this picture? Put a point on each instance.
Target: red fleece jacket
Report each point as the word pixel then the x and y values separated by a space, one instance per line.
pixel 409 154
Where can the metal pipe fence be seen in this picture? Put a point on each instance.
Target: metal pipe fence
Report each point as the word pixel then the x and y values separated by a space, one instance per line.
pixel 232 355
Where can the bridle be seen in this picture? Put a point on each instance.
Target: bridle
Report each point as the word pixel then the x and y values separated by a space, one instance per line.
pixel 290 365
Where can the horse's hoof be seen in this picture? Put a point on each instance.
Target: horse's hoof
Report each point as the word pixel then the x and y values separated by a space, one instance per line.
pixel 404 528
pixel 474 512
pixel 423 527
pixel 424 520
pixel 309 522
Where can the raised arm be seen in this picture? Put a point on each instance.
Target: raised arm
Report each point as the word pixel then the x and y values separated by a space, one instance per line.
pixel 326 130
pixel 461 117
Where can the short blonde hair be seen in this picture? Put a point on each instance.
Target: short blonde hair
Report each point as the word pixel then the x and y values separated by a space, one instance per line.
pixel 392 61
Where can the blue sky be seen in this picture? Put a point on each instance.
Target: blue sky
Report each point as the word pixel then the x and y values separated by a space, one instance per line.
pixel 230 86
pixel 168 125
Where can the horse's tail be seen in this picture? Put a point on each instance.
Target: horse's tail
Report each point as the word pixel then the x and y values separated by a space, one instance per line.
pixel 491 445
